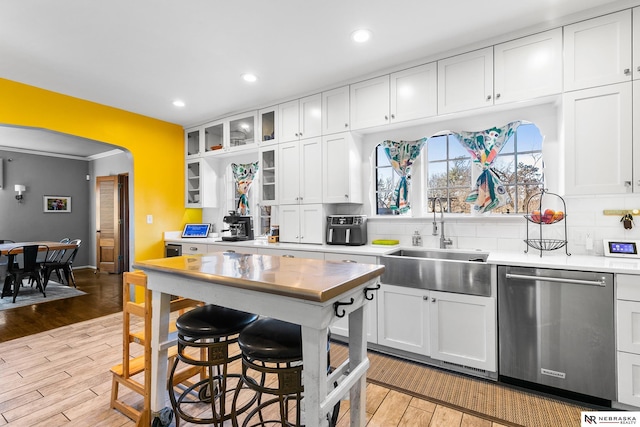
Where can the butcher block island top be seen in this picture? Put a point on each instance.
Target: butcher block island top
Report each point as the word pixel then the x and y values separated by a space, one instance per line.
pixel 307 279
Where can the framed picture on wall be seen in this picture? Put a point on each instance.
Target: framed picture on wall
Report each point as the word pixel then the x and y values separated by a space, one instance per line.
pixel 57 204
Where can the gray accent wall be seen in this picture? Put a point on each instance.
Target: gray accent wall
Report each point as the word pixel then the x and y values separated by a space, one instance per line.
pixel 50 176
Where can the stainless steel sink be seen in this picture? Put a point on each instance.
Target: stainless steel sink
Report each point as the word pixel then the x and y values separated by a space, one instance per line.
pixel 445 254
pixel 463 272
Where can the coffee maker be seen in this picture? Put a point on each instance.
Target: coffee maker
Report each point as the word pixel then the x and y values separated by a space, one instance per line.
pixel 237 227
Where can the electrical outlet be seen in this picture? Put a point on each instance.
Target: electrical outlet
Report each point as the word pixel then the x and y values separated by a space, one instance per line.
pixel 149 219
pixel 589 241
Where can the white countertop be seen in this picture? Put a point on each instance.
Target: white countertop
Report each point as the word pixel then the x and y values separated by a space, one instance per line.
pixel 373 250
pixel 556 260
pixel 562 261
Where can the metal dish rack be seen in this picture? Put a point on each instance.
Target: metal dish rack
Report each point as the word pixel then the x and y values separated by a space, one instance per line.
pixel 540 243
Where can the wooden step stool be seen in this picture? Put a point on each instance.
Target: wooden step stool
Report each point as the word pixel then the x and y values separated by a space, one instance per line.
pixel 123 372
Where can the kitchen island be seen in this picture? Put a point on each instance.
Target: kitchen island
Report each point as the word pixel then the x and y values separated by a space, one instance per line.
pixel 311 293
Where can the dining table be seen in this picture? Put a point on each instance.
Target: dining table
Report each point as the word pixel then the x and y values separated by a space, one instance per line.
pixel 52 246
pixel 308 292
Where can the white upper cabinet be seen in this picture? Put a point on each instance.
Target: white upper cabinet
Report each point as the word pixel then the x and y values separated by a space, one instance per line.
pixel 598 51
pixel 300 119
pixel 267 126
pixel 636 43
pixel 230 135
pixel 193 142
pixel 342 172
pixel 529 67
pixel 414 93
pixel 370 103
pixel 200 184
pixel 302 224
pixel 335 110
pixel 465 81
pixel 300 172
pixel 598 140
pixel 636 136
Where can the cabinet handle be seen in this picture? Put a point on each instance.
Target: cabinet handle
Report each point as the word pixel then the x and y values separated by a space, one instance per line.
pixel 300 133
pixel 426 298
pixel 347 124
pixel 296 134
pixel 627 71
pixel 497 95
pixel 393 116
pixel 488 97
pixel 433 300
pixel 346 196
pixel 192 248
pixel 386 117
pixel 638 68
pixel 287 256
pixel 627 183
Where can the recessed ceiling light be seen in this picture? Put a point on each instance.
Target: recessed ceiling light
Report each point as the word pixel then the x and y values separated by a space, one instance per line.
pixel 178 103
pixel 361 36
pixel 248 77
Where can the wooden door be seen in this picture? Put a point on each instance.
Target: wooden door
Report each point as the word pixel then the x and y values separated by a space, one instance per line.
pixel 112 223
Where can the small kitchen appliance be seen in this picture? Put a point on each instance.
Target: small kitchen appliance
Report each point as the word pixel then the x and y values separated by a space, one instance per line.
pixel 350 230
pixel 196 230
pixel 237 227
pixel 622 248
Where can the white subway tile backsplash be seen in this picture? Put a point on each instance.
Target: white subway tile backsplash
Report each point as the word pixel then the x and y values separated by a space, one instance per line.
pixel 507 233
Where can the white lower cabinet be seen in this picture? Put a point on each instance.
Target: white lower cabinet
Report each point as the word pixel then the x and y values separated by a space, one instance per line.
pixel 341 326
pixel 463 329
pixel 629 378
pixel 403 318
pixel 228 248
pixel 290 253
pixel 194 248
pixel 628 338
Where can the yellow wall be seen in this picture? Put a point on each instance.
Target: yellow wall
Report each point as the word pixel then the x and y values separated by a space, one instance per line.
pixel 157 148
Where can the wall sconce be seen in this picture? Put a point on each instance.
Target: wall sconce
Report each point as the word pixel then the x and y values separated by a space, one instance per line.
pixel 19 189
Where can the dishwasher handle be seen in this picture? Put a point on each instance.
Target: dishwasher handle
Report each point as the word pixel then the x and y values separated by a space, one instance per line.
pixel 601 282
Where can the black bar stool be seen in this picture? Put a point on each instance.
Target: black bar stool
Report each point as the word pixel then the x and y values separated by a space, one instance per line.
pixel 271 346
pixel 211 329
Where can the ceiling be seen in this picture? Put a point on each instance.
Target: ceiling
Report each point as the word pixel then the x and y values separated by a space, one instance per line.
pixel 142 55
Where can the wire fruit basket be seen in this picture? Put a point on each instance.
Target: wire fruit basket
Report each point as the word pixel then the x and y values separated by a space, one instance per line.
pixel 543 218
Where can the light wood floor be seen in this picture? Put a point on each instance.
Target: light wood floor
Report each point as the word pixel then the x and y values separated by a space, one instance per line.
pixel 61 377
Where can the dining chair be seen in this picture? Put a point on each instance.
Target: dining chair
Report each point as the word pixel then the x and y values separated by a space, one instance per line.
pixel 55 255
pixel 23 263
pixel 64 265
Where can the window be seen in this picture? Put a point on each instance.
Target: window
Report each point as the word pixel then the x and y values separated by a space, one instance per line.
pixel 518 166
pixel 386 182
pixel 451 175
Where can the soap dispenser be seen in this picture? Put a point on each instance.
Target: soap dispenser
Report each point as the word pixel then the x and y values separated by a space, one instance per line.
pixel 416 239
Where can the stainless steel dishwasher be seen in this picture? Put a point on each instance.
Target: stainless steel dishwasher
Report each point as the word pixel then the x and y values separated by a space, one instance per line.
pixel 556 329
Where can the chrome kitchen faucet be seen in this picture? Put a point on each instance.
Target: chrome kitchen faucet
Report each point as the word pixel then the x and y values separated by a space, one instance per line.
pixel 444 242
